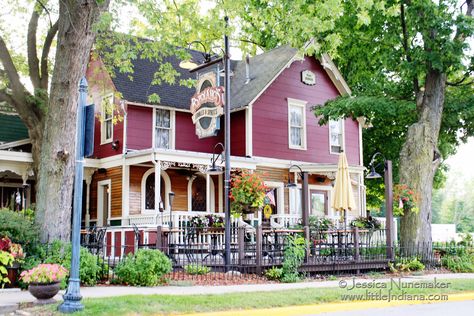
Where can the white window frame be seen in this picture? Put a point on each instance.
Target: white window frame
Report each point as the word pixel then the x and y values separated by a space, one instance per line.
pixel 280 194
pixel 301 104
pixel 104 121
pixel 171 128
pixel 343 134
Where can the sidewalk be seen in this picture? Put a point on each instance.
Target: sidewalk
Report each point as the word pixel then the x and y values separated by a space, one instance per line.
pixel 10 298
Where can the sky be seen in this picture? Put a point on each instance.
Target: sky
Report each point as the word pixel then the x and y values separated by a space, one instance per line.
pixel 462 162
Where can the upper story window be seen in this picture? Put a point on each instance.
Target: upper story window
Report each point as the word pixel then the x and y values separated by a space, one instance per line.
pixel 164 125
pixel 336 136
pixel 107 128
pixel 296 124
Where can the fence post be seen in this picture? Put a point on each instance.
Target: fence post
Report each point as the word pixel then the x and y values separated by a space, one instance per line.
pixel 258 248
pixel 308 243
pixel 241 244
pixel 159 238
pixel 356 244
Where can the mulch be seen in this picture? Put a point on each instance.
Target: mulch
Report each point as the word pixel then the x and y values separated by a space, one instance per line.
pixel 216 278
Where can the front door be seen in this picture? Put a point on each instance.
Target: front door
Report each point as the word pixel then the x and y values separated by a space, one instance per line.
pixel 318 200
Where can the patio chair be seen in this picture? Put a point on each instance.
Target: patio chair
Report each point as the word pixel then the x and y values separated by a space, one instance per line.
pixel 96 240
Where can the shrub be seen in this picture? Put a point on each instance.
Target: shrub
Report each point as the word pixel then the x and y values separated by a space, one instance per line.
pixel 293 258
pixel 196 269
pixel 462 263
pixel 274 273
pixel 407 265
pixel 20 229
pixel 145 268
pixel 370 223
pixel 6 259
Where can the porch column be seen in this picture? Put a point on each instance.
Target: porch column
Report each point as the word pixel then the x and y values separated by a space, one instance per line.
pixel 88 172
pixel 221 193
pixel 125 194
pixel 158 187
pixel 208 193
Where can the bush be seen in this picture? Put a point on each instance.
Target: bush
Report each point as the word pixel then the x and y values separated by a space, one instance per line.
pixel 90 268
pixel 274 273
pixel 293 258
pixel 407 265
pixel 145 268
pixel 462 263
pixel 20 229
pixel 196 269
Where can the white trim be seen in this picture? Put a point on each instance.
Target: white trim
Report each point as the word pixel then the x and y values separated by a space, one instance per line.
pixel 166 180
pixel 280 186
pixel 212 199
pixel 104 140
pixel 249 131
pixel 342 122
pixel 100 199
pixel 221 193
pixel 301 104
pixel 361 148
pixel 15 143
pixel 16 156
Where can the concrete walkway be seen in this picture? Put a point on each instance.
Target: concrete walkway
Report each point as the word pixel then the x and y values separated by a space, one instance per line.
pixel 11 298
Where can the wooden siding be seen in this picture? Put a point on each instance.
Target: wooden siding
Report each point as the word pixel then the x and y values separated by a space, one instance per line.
pixel 186 138
pixel 270 118
pixel 139 127
pixel 115 175
pixel 277 175
pixel 135 198
pixel 100 85
pixel 237 138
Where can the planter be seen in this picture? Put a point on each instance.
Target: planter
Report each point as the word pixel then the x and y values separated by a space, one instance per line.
pixel 249 210
pixel 44 292
pixel 215 229
pixel 13 274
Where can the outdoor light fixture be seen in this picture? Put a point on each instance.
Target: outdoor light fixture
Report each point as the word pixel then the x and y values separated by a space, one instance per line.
pixel 388 197
pixel 305 198
pixel 190 64
pixel 213 169
pixel 171 197
pixel 291 185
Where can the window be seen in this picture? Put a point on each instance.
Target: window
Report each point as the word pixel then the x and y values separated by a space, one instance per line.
pixel 150 191
pixel 296 124
pixel 107 128
pixel 296 202
pixel 336 136
pixel 164 128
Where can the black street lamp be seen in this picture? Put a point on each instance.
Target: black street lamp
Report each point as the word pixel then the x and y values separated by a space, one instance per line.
pixel 213 169
pixel 226 147
pixel 388 197
pixel 305 198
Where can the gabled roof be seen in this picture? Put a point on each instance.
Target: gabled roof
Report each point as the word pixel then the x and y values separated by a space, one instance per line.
pixel 12 128
pixel 264 68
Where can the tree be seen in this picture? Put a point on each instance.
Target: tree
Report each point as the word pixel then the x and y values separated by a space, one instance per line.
pixel 414 54
pixel 49 110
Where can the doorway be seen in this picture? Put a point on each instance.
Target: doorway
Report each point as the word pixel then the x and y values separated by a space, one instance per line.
pixel 318 200
pixel 103 202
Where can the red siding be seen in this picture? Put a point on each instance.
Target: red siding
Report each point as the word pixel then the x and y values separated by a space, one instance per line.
pixel 270 118
pixel 106 150
pixel 186 138
pixel 139 127
pixel 237 138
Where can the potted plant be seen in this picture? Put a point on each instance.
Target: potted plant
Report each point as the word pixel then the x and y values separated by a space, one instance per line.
pixel 44 280
pixel 11 255
pixel 369 223
pixel 247 194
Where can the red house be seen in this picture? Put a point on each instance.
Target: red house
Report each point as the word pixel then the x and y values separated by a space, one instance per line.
pixel 272 128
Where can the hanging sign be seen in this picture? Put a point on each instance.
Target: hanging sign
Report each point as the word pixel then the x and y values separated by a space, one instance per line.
pixel 308 77
pixel 207 106
pixel 267 211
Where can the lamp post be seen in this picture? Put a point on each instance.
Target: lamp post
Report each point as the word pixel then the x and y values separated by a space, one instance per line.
pixel 388 197
pixel 226 146
pixel 72 298
pixel 305 198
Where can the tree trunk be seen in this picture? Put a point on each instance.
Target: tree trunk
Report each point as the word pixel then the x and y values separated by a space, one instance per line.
pixel 53 148
pixel 418 164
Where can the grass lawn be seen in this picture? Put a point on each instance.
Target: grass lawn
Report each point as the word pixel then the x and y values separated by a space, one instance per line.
pixel 174 304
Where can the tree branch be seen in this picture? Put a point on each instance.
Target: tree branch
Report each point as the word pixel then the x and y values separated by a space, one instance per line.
pixel 5 97
pixel 416 84
pixel 44 55
pixel 19 91
pixel 33 62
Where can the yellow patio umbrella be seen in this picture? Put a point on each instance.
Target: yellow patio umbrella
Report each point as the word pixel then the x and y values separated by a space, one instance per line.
pixel 343 198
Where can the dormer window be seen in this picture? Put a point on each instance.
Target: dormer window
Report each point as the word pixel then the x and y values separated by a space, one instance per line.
pixel 164 125
pixel 336 136
pixel 107 128
pixel 296 124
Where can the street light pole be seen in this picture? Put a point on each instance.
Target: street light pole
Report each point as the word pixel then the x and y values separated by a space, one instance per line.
pixel 72 298
pixel 227 232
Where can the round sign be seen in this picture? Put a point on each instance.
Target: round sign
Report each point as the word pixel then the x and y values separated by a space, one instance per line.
pixel 267 211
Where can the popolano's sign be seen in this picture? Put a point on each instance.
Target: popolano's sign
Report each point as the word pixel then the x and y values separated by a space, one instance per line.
pixel 207 106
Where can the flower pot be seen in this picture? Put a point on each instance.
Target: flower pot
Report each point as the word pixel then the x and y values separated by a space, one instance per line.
pixel 44 291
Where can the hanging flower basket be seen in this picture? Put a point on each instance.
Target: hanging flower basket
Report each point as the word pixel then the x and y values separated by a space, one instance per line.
pixel 405 199
pixel 247 194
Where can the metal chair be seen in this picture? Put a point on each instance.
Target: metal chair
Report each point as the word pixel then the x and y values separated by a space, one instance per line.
pixel 96 240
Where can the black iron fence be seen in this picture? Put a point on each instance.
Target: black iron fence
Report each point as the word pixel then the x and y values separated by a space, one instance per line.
pixel 198 253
